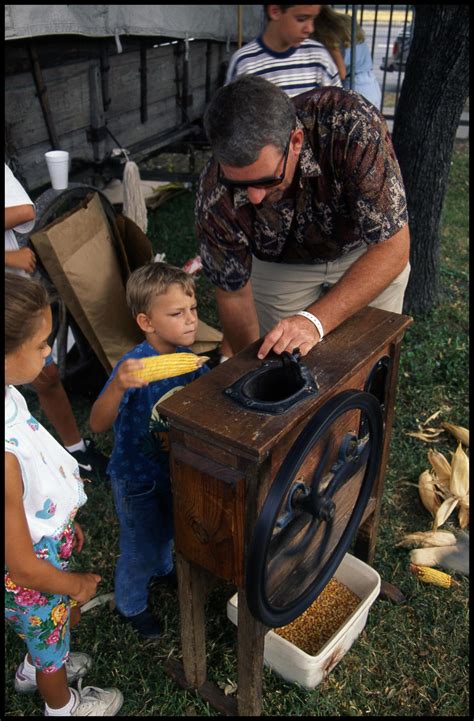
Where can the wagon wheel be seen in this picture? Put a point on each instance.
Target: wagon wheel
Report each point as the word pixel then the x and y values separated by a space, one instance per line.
pixel 51 205
pixel 314 507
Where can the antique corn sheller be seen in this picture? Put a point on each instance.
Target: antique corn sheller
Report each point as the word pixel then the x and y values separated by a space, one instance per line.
pixel 277 467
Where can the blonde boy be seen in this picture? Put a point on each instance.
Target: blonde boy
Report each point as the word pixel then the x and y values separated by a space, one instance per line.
pixel 162 301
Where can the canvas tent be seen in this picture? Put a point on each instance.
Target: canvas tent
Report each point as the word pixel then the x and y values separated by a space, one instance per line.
pixel 202 22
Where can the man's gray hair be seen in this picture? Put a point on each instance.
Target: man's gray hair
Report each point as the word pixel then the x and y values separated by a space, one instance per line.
pixel 245 116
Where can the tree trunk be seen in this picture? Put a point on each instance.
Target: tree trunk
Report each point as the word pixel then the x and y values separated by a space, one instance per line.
pixel 432 99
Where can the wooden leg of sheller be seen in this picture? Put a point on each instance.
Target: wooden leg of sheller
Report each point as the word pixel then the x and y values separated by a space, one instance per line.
pixel 192 596
pixel 364 544
pixel 250 642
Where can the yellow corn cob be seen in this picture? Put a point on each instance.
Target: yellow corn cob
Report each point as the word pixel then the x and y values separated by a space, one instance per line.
pixel 431 575
pixel 169 365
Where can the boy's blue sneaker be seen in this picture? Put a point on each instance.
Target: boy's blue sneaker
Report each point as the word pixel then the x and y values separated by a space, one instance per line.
pixel 143 623
pixel 170 579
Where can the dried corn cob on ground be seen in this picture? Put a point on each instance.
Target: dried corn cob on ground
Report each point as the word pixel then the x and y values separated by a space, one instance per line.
pixel 431 575
pixel 168 365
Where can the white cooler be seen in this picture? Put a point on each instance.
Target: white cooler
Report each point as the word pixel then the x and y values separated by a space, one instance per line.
pixel 296 666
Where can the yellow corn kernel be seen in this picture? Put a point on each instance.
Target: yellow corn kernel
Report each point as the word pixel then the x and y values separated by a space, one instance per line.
pixel 431 575
pixel 168 365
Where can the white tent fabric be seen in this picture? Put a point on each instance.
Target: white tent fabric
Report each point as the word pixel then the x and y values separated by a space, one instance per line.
pixel 202 22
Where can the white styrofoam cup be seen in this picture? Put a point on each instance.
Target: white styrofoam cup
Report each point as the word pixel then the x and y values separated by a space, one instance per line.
pixel 58 168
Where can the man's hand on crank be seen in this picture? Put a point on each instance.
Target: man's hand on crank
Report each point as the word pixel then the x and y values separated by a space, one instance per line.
pixel 288 334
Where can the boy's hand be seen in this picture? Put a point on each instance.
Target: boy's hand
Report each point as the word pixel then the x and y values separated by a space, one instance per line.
pixel 79 538
pixel 88 583
pixel 126 378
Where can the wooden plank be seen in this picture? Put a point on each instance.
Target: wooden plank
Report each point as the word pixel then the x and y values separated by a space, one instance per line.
pixel 364 547
pixel 192 597
pixel 207 465
pixel 250 647
pixel 68 91
pixel 65 68
pixel 208 513
pixel 250 632
pixel 357 343
pixel 31 157
pixel 97 120
pixel 206 449
pixel 43 98
pixel 143 83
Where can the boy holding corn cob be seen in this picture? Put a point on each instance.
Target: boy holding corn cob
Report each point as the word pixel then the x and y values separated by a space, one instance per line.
pixel 162 301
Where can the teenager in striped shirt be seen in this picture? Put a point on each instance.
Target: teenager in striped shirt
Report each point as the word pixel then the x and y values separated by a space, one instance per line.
pixel 285 54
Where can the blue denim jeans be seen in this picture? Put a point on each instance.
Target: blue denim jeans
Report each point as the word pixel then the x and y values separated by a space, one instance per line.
pixel 146 540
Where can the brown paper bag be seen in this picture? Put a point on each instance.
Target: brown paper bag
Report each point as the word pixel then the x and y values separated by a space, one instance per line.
pixel 136 244
pixel 89 261
pixel 80 256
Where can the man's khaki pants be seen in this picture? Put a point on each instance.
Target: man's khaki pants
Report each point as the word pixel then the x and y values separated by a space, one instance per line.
pixel 282 289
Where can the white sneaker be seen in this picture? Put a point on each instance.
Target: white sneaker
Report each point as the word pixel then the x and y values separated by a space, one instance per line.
pixel 92 701
pixel 77 666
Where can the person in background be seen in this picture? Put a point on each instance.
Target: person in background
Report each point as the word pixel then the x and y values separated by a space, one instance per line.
pixel 43 492
pixel 301 213
pixel 285 54
pixel 20 216
pixel 334 30
pixel 162 299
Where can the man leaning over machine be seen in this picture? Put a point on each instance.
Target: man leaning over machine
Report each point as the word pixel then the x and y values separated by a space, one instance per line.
pixel 301 213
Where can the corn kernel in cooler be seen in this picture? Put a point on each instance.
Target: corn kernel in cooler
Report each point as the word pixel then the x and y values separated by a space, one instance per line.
pixel 168 365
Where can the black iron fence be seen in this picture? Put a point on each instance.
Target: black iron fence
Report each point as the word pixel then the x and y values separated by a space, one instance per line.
pixel 388 32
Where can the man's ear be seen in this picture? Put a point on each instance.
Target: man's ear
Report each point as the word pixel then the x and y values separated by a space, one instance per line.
pixel 274 12
pixel 144 323
pixel 296 142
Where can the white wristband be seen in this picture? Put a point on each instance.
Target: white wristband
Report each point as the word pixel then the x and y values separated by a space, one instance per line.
pixel 315 321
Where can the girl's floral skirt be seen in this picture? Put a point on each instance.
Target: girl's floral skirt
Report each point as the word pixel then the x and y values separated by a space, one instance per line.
pixel 42 619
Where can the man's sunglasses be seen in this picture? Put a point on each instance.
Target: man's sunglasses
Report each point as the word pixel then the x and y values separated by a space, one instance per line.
pixel 268 182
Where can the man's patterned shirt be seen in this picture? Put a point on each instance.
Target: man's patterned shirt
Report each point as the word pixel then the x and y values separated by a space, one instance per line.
pixel 349 193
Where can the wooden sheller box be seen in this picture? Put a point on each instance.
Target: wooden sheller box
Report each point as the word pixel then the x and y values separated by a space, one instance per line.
pixel 277 466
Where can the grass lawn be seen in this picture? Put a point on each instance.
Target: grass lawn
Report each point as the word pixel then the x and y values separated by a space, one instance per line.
pixel 411 659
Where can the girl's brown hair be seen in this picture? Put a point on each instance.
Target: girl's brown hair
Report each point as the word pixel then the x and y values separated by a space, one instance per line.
pixel 333 28
pixel 24 300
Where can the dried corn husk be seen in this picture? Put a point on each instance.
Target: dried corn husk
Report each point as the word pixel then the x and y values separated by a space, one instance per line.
pixel 427 493
pixel 432 417
pixel 460 433
pixel 428 434
pixel 440 465
pixel 463 514
pixel 444 511
pixel 459 483
pixel 427 539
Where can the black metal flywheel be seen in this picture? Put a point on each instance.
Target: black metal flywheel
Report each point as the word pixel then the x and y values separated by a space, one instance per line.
pixel 314 507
